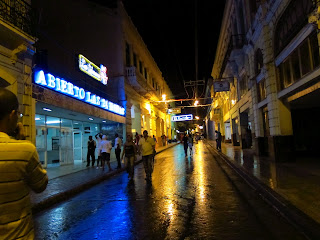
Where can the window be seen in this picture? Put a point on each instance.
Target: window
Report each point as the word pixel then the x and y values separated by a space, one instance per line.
pixel 243 86
pixel 300 62
pixel 262 94
pixel 315 50
pixel 258 61
pixel 135 62
pixel 140 67
pixel 128 60
pixel 292 20
pixel 145 74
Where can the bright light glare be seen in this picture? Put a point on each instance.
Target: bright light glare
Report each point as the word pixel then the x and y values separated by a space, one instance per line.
pixel 233 101
pixel 47 109
pixel 104 121
pixel 37 118
pixel 164 97
pixel 196 103
pixel 197 118
pixel 91 119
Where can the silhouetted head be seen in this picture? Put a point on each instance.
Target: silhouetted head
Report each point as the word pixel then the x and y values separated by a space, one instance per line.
pixel 145 133
pixel 90 138
pixel 117 135
pixel 9 113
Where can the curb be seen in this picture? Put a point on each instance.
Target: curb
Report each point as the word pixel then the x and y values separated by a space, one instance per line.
pixel 298 219
pixel 63 196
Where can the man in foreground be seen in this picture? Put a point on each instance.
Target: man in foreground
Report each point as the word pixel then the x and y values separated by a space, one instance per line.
pixel 147 145
pixel 20 171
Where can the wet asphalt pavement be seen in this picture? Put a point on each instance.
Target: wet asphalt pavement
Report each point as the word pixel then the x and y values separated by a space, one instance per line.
pixel 189 198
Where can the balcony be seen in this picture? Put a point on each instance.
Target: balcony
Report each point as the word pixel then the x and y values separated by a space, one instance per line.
pixel 140 84
pixel 17 22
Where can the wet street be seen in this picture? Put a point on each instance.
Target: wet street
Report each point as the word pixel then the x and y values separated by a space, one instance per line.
pixel 189 198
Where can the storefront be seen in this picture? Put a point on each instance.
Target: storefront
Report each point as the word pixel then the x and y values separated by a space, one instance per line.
pixel 66 115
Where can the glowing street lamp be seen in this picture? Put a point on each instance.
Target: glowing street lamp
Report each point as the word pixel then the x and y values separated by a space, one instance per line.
pixel 196 103
pixel 196 117
pixel 164 97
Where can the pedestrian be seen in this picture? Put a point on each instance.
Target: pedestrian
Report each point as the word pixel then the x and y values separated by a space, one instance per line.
pixel 91 149
pixel 218 140
pixel 129 152
pixel 105 149
pixel 137 138
pixel 20 171
pixel 190 143
pixel 147 145
pixel 117 149
pixel 99 139
pixel 185 144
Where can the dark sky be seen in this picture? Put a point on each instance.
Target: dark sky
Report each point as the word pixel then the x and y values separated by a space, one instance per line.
pixel 168 29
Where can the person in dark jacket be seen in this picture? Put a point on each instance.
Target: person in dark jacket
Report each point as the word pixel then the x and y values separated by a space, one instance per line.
pixel 91 150
pixel 218 140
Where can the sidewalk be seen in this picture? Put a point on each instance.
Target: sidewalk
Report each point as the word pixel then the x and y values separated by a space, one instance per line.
pixel 291 187
pixel 67 181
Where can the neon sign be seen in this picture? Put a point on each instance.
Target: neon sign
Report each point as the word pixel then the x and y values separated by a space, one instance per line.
pixel 65 87
pixel 88 67
pixel 179 118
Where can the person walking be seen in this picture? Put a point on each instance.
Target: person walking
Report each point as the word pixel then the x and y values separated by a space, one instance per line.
pixel 20 171
pixel 129 152
pixel 190 143
pixel 117 147
pixel 185 144
pixel 105 149
pixel 218 140
pixel 91 149
pixel 147 145
pixel 99 159
pixel 137 138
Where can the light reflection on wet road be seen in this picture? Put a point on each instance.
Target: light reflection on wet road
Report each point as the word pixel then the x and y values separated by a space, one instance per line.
pixel 190 198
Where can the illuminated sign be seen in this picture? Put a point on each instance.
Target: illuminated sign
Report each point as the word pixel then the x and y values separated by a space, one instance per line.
pixel 65 87
pixel 174 110
pixel 179 118
pixel 221 86
pixel 88 67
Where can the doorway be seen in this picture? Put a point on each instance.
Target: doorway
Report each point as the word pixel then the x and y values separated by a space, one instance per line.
pixel 77 147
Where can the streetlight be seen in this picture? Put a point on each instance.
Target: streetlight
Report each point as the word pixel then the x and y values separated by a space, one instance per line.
pixel 197 118
pixel 164 97
pixel 196 103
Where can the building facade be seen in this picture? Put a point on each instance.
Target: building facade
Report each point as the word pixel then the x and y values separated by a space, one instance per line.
pixel 17 37
pixel 78 77
pixel 268 53
pixel 145 87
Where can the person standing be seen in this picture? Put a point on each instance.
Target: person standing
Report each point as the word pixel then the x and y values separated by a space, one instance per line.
pixel 137 138
pixel 218 140
pixel 185 144
pixel 99 159
pixel 20 171
pixel 105 149
pixel 91 150
pixel 117 147
pixel 129 152
pixel 190 143
pixel 147 145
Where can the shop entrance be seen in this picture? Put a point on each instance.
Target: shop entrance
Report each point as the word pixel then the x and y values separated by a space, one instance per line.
pixel 77 147
pixel 305 113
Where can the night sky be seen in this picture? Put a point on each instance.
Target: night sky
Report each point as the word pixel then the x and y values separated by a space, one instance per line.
pixel 168 29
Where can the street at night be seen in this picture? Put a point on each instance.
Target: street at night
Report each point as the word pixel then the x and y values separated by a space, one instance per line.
pixel 102 100
pixel 189 198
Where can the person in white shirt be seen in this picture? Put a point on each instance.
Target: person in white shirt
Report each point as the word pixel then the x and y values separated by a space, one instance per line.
pixel 147 145
pixel 105 149
pixel 117 147
pixel 99 139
